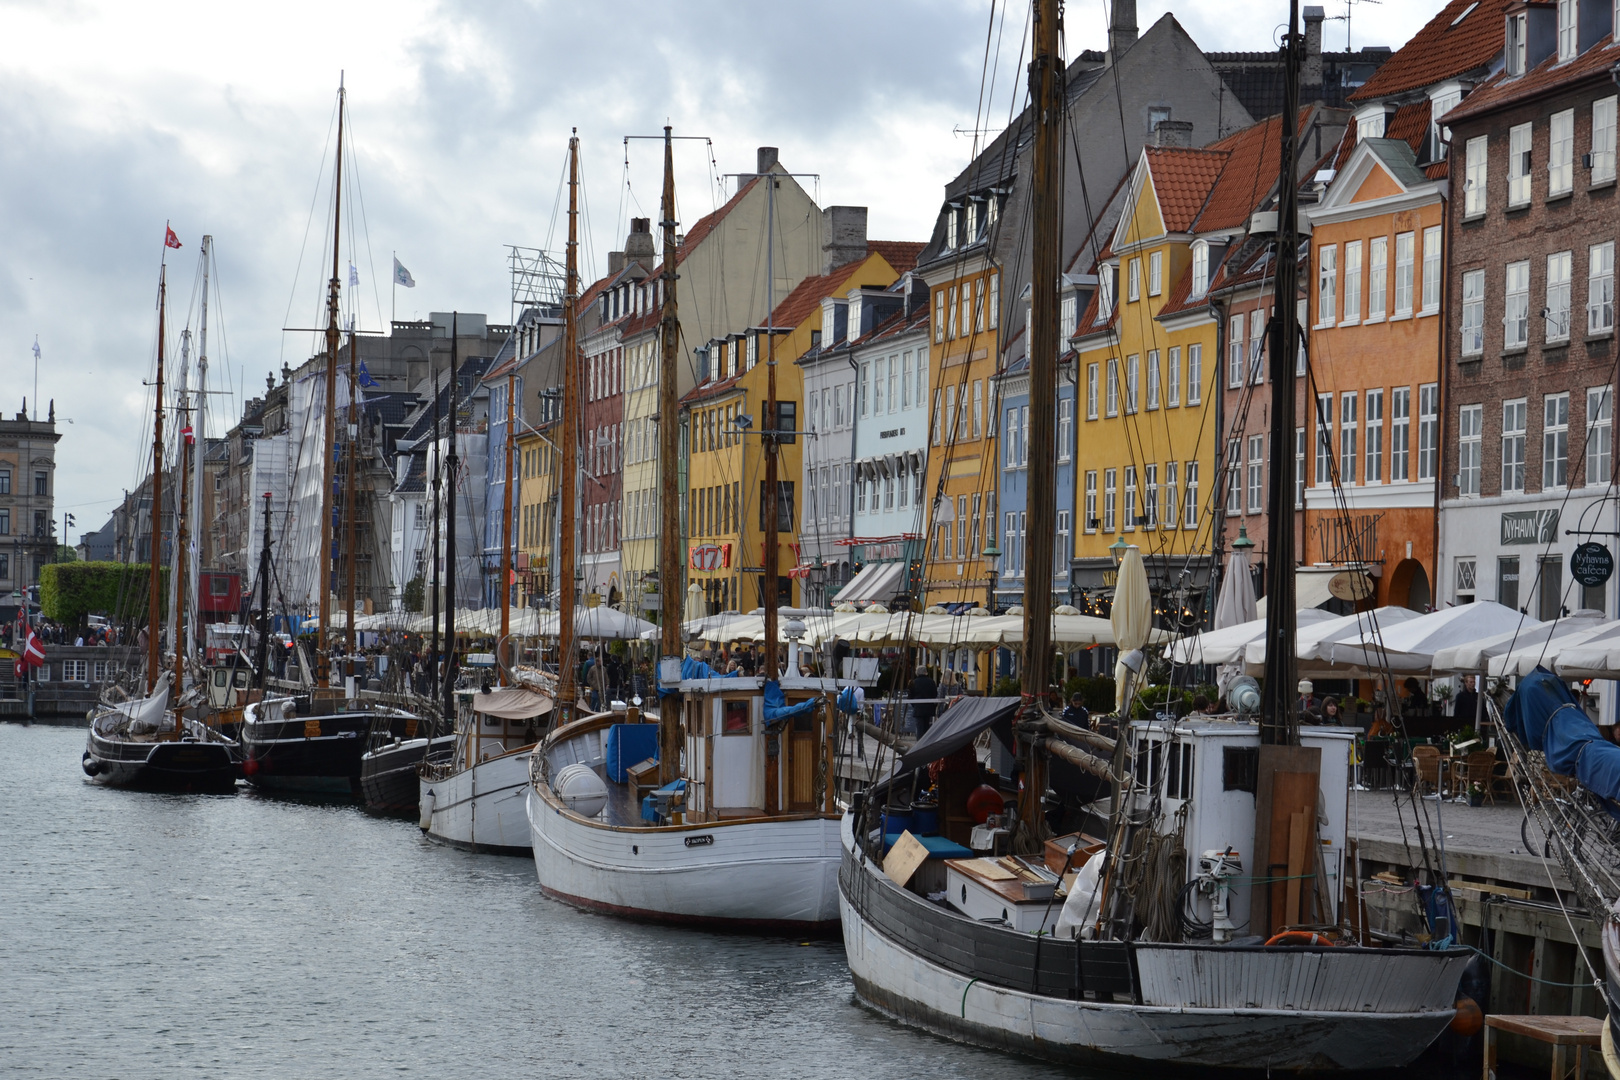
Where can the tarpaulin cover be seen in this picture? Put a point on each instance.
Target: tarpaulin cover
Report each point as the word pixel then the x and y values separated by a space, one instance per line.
pixel 776 707
pixel 959 725
pixel 696 669
pixel 1546 717
pixel 512 703
pixel 627 745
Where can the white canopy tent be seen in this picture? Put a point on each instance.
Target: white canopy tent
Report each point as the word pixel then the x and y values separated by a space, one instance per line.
pixel 1226 646
pixel 1582 644
pixel 1312 640
pixel 1410 646
pixel 1473 657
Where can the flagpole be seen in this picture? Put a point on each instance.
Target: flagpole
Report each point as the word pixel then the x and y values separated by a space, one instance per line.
pixel 393 296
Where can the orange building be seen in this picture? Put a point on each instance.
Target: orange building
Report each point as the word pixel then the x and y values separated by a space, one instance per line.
pixel 1373 397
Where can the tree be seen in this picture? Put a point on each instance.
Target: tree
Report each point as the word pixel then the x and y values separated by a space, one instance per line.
pixel 70 591
pixel 414 590
pixel 66 554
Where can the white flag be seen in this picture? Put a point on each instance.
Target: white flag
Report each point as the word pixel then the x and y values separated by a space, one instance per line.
pixel 402 276
pixel 36 348
pixel 354 277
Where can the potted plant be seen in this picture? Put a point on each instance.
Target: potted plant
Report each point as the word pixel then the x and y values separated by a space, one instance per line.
pixel 1476 794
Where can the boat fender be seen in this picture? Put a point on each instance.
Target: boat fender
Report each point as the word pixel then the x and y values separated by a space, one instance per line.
pixel 1297 938
pixel 1469 1018
pixel 250 767
pixel 581 790
pixel 90 765
pixel 428 799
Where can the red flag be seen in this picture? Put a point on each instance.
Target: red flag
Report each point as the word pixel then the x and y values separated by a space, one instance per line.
pixel 33 653
pixel 189 436
pixel 170 240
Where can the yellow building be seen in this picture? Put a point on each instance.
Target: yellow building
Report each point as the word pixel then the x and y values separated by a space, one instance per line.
pixel 721 418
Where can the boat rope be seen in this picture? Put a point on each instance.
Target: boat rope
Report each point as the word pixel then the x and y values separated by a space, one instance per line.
pixel 1520 974
pixel 965 989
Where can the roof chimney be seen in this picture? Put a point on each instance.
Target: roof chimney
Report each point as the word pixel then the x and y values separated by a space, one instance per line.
pixel 638 246
pixel 615 263
pixel 1122 29
pixel 1173 133
pixel 1311 74
pixel 843 236
pixel 766 159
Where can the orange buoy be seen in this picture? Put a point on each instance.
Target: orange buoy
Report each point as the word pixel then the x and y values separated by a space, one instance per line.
pixel 1469 1018
pixel 983 801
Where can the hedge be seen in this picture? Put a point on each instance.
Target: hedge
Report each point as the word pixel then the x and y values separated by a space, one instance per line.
pixel 70 591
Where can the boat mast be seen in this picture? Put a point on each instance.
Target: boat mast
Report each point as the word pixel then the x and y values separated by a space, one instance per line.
pixel 349 467
pixel 328 533
pixel 433 646
pixel 1279 724
pixel 1046 95
pixel 452 467
pixel 194 558
pixel 506 522
pixel 263 656
pixel 670 564
pixel 182 544
pixel 568 440
pixel 770 568
pixel 154 602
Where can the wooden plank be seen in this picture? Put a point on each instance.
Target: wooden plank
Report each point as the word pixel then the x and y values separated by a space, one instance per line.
pixel 1300 832
pixel 1553 1030
pixel 903 859
pixel 1482 887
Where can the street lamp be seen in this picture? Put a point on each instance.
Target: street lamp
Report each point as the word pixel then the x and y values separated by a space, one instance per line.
pixel 1242 543
pixel 992 561
pixel 1117 549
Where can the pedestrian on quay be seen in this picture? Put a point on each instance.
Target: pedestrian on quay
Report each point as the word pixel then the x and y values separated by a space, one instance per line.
pixel 1077 713
pixel 920 694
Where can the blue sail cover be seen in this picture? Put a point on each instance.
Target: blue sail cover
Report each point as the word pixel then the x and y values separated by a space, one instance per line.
pixel 1546 717
pixel 696 669
pixel 776 707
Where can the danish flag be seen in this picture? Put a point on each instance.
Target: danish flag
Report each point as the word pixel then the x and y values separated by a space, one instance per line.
pixel 169 239
pixel 33 654
pixel 190 437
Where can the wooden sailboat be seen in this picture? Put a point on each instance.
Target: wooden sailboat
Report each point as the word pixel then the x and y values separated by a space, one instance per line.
pixel 721 812
pixel 313 742
pixel 136 743
pixel 471 791
pixel 1019 953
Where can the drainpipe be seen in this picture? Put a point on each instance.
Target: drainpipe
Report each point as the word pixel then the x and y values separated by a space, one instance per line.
pixel 1218 533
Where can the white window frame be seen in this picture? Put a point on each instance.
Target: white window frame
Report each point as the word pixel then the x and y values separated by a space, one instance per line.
pixel 1473 312
pixel 1405 269
pixel 1515 413
pixel 1327 285
pixel 1374 470
pixel 1111 407
pixel 1133 383
pixel 1431 270
pixel 1234 475
pixel 1600 289
pixel 1377 279
pixel 1352 284
pixel 1256 474
pixel 1349 436
pixel 1428 431
pixel 1516 305
pixel 1134 285
pixel 1561 153
pixel 1200 268
pixel 1195 374
pixel 1560 269
pixel 1065 428
pixel 1172 383
pixel 1400 433
pixel 1153 380
pixel 1171 506
pixel 1091 501
pixel 1150 496
pixel 1603 138
pixel 1091 391
pixel 1129 507
pixel 1520 163
pixel 1470 423
pixel 1568 30
pixel 1476 176
pixel 1257 346
pixel 1110 499
pixel 1189 513
pixel 1234 351
pixel 1599 435
pixel 1555 441
pixel 1323 421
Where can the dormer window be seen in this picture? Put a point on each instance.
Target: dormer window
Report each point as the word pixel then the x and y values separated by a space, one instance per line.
pixel 1200 268
pixel 972 233
pixel 990 203
pixel 1105 294
pixel 1517 48
pixel 950 231
pixel 753 350
pixel 1568 21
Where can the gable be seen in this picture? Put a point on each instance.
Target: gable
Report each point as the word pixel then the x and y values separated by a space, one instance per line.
pixel 1147 220
pixel 1377 184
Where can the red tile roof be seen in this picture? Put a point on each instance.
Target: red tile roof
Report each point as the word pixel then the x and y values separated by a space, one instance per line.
pixel 900 254
pixel 1253 158
pixel 1410 124
pixel 1440 50
pixel 1182 180
pixel 807 296
pixel 1548 75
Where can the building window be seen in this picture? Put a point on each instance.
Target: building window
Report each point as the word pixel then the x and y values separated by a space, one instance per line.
pixel 950 414
pixel 1559 268
pixel 1023 439
pixel 1465 581
pixel 1375 437
pixel 1091 391
pixel 1600 288
pixel 1555 441
pixel 1234 476
pixel 1105 294
pixel 1155 273
pixel 1130 498
pixel 1150 498
pixel 1561 154
pixel 1257 346
pixel 967 309
pixel 1599 434
pixel 1091 521
pixel 1113 388
pixel 1324 440
pixel 1189 515
pixel 1473 312
pixel 1110 478
pixel 1327 281
pixel 1234 352
pixel 1404 252
pixel 1469 422
pixel 1134 286
pixel 1515 415
pixel 1428 431
pixel 939 316
pixel 1068 316
pixel 74 671
pixel 5 567
pixel 995 293
pixel 1352 282
pixel 1011 438
pixel 1431 270
pixel 950 315
pixel 1507 581
pixel 1172 387
pixel 1566 30
pixel 1065 429
pixel 41 484
pixel 1475 176
pixel 1200 265
pixel 1400 423
pixel 1257 473
pixel 1516 307
pixel 1603 140
pixel 1519 165
pixel 1172 508
pixel 978 408
pixel 1550 586
pixel 1349 429
pixel 1377 278
pixel 1299 468
pixel 1518 43
pixel 1195 374
pixel 1153 379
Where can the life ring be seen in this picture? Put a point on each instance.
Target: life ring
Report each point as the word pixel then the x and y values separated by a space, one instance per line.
pixel 89 764
pixel 1298 938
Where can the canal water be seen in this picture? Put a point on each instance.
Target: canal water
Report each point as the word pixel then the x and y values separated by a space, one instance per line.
pixel 246 936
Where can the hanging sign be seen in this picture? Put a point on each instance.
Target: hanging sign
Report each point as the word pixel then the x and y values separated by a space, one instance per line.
pixel 710 556
pixel 1351 585
pixel 1591 564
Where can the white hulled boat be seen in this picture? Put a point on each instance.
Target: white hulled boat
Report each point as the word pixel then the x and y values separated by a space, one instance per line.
pixel 473 797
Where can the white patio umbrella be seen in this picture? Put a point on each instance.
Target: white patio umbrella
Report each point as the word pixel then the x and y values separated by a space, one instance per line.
pixel 1226 646
pixel 1235 603
pixel 1596 657
pixel 1472 657
pixel 1410 647
pixel 1585 645
pixel 1132 621
pixel 598 623
pixel 1311 640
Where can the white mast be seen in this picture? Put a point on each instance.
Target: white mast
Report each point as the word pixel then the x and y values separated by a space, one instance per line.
pixel 200 430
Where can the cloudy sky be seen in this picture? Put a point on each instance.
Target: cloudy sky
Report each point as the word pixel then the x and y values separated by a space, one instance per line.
pixel 216 117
